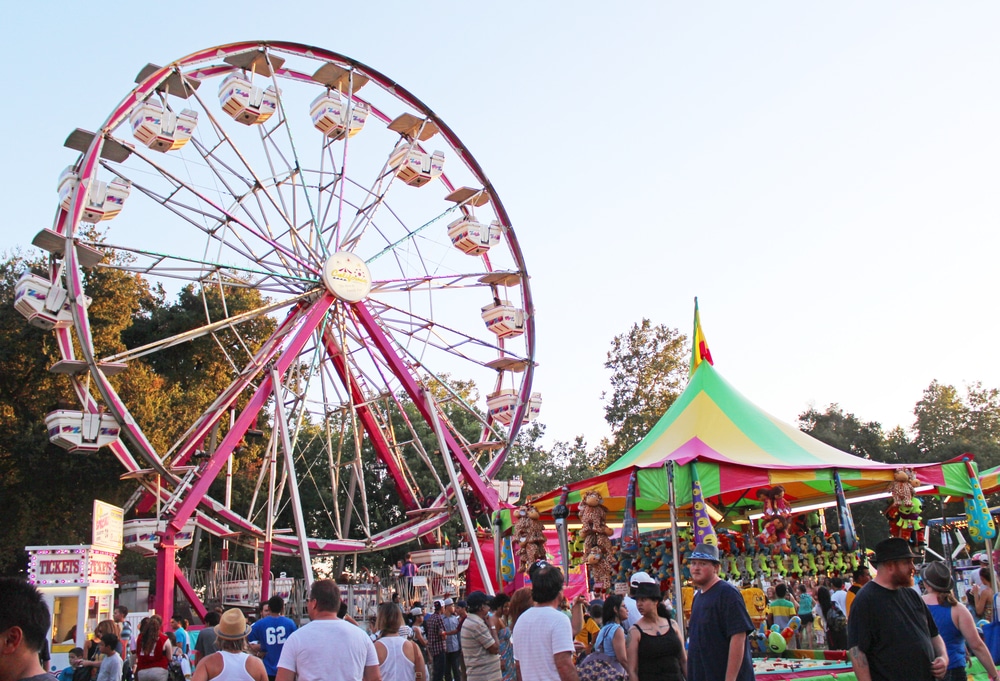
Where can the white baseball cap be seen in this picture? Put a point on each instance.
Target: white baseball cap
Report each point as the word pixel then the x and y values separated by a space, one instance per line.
pixel 641 577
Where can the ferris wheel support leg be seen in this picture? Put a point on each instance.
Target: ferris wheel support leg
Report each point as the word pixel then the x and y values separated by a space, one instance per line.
pixel 166 570
pixel 470 475
pixel 293 483
pixel 265 573
pixel 463 508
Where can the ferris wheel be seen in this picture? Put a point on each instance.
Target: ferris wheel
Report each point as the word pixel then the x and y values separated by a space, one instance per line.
pixel 383 265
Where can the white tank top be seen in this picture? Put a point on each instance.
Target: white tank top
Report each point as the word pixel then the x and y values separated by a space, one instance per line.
pixel 397 667
pixel 234 667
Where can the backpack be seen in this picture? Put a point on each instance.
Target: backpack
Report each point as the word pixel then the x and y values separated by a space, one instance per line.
pixel 836 621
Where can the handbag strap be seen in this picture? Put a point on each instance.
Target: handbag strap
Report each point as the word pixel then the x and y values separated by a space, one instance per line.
pixel 604 630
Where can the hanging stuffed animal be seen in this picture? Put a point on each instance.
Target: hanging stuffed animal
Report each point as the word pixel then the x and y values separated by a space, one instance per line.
pixel 777 515
pixel 910 525
pixel 600 569
pixel 530 534
pixel 903 482
pixel 593 514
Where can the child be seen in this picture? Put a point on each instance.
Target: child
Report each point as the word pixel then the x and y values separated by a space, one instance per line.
pixel 75 655
pixel 179 661
pixel 111 665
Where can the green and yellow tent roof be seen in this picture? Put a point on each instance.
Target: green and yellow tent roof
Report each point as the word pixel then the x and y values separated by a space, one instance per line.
pixel 739 448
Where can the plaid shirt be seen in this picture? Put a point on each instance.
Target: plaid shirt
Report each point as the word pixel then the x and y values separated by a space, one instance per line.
pixel 433 627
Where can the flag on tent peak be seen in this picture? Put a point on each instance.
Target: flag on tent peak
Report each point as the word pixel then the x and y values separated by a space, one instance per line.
pixel 699 346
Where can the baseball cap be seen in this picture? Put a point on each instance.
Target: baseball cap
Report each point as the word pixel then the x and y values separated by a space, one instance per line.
pixel 416 611
pixel 477 599
pixel 461 604
pixel 447 601
pixel 640 577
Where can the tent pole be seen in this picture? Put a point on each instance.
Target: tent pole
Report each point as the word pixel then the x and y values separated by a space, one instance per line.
pixel 678 590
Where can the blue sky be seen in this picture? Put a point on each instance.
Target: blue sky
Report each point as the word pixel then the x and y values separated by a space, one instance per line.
pixel 822 176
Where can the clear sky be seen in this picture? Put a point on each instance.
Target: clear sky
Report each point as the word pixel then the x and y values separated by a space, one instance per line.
pixel 823 176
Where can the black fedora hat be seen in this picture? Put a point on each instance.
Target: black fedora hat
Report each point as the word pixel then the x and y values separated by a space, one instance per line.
pixel 893 548
pixel 648 590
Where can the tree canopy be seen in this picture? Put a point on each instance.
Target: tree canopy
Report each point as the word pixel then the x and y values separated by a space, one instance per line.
pixel 648 372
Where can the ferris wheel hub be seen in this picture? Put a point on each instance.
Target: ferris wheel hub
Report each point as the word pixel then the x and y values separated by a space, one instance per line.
pixel 347 277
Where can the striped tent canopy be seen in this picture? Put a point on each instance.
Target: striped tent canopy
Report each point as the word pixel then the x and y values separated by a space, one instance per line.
pixel 989 480
pixel 738 449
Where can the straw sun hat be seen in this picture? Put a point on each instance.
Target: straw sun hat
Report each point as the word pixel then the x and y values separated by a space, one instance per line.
pixel 232 626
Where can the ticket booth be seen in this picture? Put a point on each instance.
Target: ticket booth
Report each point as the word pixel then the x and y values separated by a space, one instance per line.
pixel 78 585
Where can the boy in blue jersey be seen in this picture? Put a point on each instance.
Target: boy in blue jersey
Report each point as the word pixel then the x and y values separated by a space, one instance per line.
pixel 268 635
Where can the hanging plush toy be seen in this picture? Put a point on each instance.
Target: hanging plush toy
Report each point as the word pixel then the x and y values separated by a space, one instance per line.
pixel 777 515
pixel 910 525
pixel 530 534
pixel 902 486
pixel 600 569
pixel 593 514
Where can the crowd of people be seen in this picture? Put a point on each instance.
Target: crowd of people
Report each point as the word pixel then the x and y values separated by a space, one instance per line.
pixel 891 629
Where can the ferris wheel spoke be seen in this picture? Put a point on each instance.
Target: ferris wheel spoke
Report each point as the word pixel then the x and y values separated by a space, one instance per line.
pixel 410 324
pixel 203 271
pixel 303 314
pixel 410 384
pixel 221 216
pixel 294 166
pixel 375 432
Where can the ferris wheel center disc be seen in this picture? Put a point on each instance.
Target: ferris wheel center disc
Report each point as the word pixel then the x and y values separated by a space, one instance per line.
pixel 347 277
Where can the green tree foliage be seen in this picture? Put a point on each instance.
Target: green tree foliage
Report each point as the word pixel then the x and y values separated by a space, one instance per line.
pixel 543 470
pixel 46 493
pixel 846 432
pixel 648 372
pixel 947 424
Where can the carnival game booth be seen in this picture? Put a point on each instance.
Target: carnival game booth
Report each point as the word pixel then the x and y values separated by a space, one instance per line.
pixel 718 468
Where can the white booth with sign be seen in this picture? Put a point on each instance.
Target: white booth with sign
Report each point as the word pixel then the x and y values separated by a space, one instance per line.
pixel 78 583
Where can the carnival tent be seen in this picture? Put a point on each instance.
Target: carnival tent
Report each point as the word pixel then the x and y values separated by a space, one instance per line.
pixel 738 448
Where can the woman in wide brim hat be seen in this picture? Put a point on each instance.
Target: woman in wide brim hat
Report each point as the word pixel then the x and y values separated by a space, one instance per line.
pixel 954 623
pixel 233 657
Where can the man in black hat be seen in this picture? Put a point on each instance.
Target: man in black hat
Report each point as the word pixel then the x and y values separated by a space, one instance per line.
pixel 719 622
pixel 891 633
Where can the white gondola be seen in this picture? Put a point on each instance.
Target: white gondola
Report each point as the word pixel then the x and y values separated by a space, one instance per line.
pixel 104 200
pixel 501 405
pixel 474 238
pixel 43 304
pixel 414 167
pixel 247 103
pixel 142 535
pixel 503 319
pixel 160 129
pixel 330 112
pixel 77 431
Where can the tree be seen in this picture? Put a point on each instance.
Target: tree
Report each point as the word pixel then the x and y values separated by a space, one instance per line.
pixel 648 372
pixel 46 493
pixel 541 470
pixel 947 424
pixel 846 432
